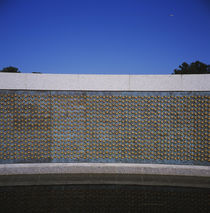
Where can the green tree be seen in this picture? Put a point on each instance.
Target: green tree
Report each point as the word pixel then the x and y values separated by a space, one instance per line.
pixel 10 69
pixel 193 68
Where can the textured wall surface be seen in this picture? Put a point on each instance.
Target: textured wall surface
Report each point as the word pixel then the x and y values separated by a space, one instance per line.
pixel 82 126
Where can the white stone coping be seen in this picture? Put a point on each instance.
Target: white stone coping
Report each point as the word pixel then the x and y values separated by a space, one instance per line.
pixel 104 173
pixel 104 168
pixel 74 82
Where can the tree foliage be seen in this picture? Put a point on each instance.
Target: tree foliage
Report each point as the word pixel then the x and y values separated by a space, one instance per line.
pixel 193 68
pixel 10 69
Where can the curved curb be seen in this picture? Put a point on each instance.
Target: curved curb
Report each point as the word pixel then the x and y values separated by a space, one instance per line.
pixel 104 173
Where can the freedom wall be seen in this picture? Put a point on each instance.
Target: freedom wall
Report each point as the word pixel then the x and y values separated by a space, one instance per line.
pixel 104 119
pixel 104 143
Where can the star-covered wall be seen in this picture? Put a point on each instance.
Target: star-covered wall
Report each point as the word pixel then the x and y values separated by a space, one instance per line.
pixel 87 126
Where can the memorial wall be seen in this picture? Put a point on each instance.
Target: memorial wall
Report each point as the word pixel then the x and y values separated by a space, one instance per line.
pixel 104 126
pixel 104 143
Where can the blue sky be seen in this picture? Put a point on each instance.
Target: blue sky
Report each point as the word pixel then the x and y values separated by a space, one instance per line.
pixel 103 36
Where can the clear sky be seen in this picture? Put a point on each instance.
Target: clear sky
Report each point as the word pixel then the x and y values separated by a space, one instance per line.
pixel 103 36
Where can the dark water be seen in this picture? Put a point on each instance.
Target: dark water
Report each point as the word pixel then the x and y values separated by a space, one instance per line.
pixel 104 198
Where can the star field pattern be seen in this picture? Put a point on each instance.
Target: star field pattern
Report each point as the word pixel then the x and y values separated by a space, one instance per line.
pixel 84 126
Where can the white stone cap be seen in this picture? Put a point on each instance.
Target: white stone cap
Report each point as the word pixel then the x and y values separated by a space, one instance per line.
pixel 104 173
pixel 74 82
pixel 105 168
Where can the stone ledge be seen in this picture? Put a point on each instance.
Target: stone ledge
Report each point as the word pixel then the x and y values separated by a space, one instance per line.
pixel 26 81
pixel 104 173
